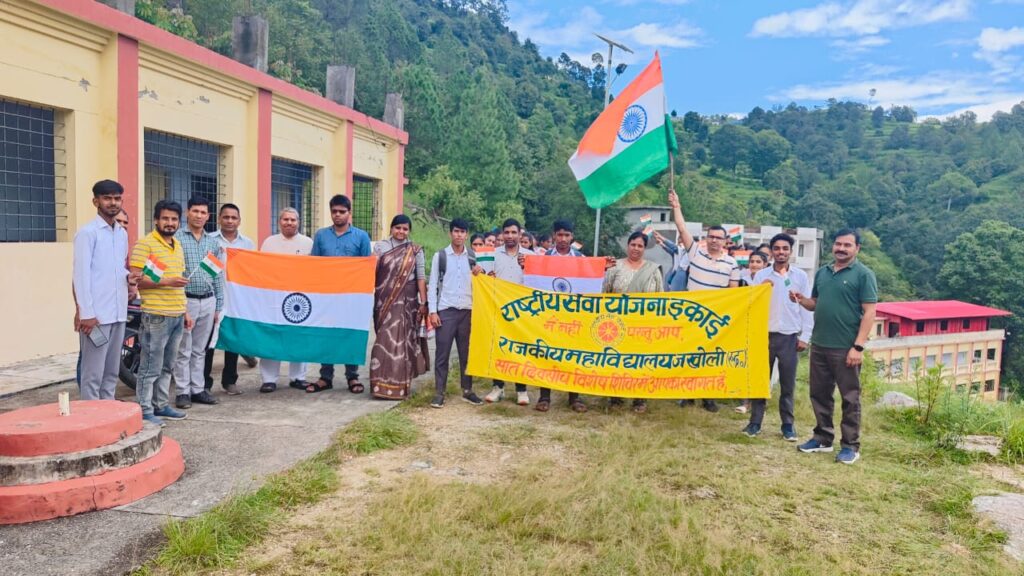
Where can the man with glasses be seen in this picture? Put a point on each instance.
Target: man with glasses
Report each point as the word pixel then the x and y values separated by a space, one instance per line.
pixel 339 239
pixel 711 267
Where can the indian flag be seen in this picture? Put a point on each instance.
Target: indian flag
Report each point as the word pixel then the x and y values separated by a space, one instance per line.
pixel 154 269
pixel 211 265
pixel 742 257
pixel 577 275
pixel 485 258
pixel 298 308
pixel 735 233
pixel 628 143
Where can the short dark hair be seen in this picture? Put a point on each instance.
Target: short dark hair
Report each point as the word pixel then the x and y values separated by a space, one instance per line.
pixel 760 255
pixel 847 232
pixel 490 233
pixel 722 228
pixel 228 205
pixel 166 205
pixel 476 237
pixel 560 225
pixel 783 237
pixel 198 201
pixel 401 219
pixel 511 222
pixel 459 223
pixel 340 200
pixel 105 187
pixel 637 234
pixel 543 238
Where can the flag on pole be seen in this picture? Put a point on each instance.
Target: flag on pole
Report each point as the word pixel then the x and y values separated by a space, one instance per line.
pixel 645 220
pixel 736 234
pixel 577 246
pixel 485 258
pixel 154 269
pixel 742 257
pixel 298 308
pixel 211 265
pixel 577 275
pixel 628 143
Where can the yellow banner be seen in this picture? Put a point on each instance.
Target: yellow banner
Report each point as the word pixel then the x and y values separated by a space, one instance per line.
pixel 704 344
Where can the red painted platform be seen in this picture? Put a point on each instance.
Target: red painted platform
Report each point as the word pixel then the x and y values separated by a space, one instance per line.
pixel 41 430
pixel 31 503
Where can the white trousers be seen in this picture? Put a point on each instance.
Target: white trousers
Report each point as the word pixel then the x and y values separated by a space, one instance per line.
pixel 271 369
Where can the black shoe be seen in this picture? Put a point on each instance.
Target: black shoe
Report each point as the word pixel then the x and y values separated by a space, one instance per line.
pixel 472 398
pixel 438 401
pixel 269 387
pixel 709 405
pixel 183 401
pixel 685 403
pixel 298 384
pixel 614 402
pixel 204 398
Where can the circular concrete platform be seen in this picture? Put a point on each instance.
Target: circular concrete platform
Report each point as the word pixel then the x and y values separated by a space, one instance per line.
pixel 41 430
pixel 34 502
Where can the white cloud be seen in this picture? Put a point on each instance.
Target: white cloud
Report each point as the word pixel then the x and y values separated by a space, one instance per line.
pixel 995 46
pixel 662 2
pixel 983 111
pixel 858 45
pixel 679 35
pixel 1000 40
pixel 859 17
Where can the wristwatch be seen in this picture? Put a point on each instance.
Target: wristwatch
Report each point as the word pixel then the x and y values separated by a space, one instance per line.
pixel 858 347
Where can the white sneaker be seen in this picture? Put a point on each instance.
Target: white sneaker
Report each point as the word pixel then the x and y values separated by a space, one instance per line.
pixel 496 395
pixel 741 409
pixel 522 398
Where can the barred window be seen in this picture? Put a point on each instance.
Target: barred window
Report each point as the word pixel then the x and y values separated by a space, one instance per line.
pixel 178 168
pixel 366 205
pixel 294 185
pixel 33 174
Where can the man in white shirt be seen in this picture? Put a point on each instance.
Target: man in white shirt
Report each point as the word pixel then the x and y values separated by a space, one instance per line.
pixel 288 241
pixel 229 217
pixel 101 285
pixel 450 302
pixel 789 331
pixel 506 267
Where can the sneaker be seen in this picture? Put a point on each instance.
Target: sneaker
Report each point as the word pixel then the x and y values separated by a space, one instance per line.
pixel 231 389
pixel 472 398
pixel 788 433
pixel 183 401
pixel 170 413
pixel 438 401
pixel 522 398
pixel 752 430
pixel 204 397
pixel 496 395
pixel 813 445
pixel 741 409
pixel 847 456
pixel 153 420
pixel 709 405
pixel 685 403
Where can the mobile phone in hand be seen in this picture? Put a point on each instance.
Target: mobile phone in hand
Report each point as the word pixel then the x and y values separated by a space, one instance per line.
pixel 99 339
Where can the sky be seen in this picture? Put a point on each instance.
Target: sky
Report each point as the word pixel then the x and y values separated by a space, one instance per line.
pixel 941 57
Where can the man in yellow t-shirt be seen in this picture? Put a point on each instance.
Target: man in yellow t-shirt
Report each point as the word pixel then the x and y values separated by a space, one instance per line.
pixel 159 264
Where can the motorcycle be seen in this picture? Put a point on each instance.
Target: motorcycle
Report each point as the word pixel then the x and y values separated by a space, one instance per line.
pixel 131 348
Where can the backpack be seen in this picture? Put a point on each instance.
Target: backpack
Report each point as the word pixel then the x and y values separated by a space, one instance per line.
pixel 442 266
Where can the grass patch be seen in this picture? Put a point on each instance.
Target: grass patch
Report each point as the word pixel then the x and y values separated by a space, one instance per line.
pixel 218 537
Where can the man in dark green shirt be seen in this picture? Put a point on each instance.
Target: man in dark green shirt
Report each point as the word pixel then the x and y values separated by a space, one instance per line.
pixel 843 300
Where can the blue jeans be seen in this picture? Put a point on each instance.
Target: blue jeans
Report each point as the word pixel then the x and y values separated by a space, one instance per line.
pixel 159 338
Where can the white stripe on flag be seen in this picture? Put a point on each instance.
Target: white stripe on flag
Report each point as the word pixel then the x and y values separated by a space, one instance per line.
pixel 653 103
pixel 340 310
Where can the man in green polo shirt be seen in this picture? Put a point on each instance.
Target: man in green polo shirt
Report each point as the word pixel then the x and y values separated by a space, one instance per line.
pixel 843 301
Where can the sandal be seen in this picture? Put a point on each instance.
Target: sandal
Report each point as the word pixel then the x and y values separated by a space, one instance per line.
pixel 355 387
pixel 318 386
pixel 578 406
pixel 542 406
pixel 298 384
pixel 268 387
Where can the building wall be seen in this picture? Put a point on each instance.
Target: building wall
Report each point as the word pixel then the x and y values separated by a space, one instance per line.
pixel 908 327
pixel 110 78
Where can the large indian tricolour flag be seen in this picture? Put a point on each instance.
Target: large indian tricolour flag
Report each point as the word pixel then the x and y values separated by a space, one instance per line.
pixel 297 308
pixel 576 275
pixel 628 143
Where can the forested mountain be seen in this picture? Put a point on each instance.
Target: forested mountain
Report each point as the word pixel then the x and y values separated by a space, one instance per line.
pixel 492 123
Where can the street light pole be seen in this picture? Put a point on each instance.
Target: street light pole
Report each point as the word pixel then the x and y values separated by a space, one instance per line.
pixel 612 44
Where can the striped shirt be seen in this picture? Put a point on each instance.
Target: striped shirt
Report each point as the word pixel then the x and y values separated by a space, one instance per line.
pixel 165 300
pixel 707 273
pixel 199 282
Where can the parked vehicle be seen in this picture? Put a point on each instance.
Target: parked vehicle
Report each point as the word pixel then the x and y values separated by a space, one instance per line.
pixel 131 349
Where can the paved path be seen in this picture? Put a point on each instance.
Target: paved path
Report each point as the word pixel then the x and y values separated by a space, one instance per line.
pixel 228 448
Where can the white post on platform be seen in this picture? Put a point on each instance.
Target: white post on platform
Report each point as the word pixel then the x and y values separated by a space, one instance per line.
pixel 64 402
pixel 607 99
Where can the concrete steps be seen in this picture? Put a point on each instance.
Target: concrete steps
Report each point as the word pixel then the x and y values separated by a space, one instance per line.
pixel 98 457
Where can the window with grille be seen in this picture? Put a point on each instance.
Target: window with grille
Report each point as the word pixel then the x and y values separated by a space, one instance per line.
pixel 178 168
pixel 294 185
pixel 33 174
pixel 366 205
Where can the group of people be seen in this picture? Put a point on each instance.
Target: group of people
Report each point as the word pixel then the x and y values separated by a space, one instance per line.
pixel 181 306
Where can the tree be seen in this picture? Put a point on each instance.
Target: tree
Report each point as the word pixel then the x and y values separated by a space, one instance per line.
pixel 769 151
pixel 877 117
pixel 902 114
pixel 899 138
pixel 953 190
pixel 732 144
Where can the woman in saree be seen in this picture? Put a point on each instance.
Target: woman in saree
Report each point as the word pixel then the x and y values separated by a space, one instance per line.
pixel 632 275
pixel 400 304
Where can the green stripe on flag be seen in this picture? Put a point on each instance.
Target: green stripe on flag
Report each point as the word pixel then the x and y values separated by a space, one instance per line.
pixel 206 268
pixel 151 274
pixel 643 159
pixel 293 343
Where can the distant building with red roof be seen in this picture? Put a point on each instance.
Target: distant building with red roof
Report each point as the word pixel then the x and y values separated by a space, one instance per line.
pixel 910 336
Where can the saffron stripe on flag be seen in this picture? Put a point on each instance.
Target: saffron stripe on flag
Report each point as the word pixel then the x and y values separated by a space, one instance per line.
pixel 571 284
pixel 294 343
pixel 306 274
pixel 565 267
pixel 601 136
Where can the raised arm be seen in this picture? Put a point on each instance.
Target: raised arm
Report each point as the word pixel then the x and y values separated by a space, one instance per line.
pixel 677 216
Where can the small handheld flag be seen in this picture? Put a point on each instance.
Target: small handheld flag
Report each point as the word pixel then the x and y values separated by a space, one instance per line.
pixel 211 265
pixel 577 246
pixel 154 268
pixel 485 258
